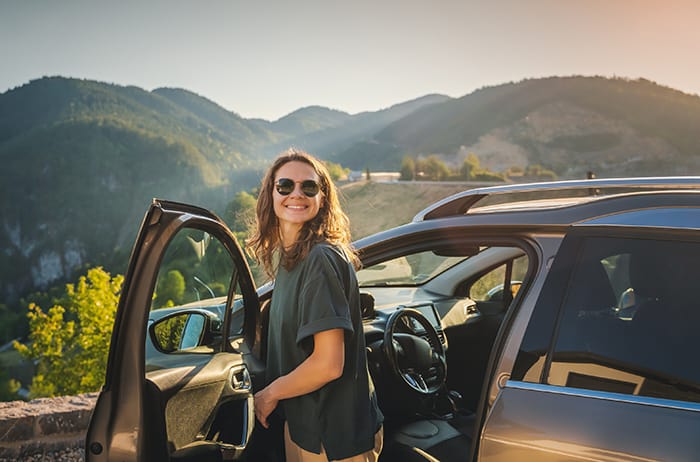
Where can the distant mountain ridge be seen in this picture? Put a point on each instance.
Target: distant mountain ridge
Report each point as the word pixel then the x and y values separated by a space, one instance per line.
pixel 569 124
pixel 333 140
pixel 310 119
pixel 82 159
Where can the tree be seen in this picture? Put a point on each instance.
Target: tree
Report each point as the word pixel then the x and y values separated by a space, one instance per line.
pixel 70 342
pixel 487 175
pixel 171 289
pixel 336 171
pixel 408 168
pixel 240 211
pixel 539 172
pixel 435 169
pixel 470 165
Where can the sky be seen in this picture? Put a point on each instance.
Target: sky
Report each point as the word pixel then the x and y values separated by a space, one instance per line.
pixel 267 58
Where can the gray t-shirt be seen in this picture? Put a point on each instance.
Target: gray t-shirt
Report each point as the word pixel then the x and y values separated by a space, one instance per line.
pixel 321 293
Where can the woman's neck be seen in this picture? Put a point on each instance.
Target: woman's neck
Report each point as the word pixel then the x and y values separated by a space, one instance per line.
pixel 289 234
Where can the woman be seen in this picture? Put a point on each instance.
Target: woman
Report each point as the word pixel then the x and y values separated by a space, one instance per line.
pixel 316 358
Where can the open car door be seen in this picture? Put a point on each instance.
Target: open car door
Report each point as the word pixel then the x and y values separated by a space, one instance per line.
pixel 180 370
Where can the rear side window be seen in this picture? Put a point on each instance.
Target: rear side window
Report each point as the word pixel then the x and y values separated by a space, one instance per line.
pixel 489 287
pixel 630 319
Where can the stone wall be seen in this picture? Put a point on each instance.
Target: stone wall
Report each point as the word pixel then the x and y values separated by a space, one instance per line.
pixel 50 429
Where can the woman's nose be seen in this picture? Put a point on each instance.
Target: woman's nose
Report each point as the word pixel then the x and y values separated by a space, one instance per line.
pixel 297 190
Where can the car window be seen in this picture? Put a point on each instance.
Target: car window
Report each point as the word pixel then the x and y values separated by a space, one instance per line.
pixel 413 269
pixel 189 299
pixel 630 318
pixel 196 267
pixel 489 287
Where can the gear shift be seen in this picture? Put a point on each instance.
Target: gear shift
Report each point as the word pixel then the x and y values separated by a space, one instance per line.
pixel 455 400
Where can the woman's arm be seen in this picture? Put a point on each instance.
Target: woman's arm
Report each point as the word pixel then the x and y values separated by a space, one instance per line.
pixel 324 365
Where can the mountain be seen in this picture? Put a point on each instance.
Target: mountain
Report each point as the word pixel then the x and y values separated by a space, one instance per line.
pixel 81 160
pixel 229 128
pixel 310 119
pixel 339 130
pixel 332 141
pixel 571 125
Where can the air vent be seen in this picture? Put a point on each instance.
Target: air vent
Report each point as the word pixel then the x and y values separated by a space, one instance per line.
pixel 440 334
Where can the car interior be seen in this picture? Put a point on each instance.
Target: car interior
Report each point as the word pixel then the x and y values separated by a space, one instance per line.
pixel 431 314
pixel 451 300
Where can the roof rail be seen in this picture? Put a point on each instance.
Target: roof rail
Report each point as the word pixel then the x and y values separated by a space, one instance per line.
pixel 460 203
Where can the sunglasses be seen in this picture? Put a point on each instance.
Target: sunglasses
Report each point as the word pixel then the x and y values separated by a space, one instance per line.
pixel 285 187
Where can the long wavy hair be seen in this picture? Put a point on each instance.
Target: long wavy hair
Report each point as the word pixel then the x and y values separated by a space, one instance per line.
pixel 330 225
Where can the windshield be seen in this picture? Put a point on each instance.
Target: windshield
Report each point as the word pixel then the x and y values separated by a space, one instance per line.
pixel 407 270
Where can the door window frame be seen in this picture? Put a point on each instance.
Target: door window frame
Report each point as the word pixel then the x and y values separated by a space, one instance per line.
pixel 543 328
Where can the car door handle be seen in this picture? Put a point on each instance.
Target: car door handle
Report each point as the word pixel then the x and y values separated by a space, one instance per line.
pixel 240 378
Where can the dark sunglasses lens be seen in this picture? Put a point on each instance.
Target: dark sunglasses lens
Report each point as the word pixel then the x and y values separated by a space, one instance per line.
pixel 284 186
pixel 310 188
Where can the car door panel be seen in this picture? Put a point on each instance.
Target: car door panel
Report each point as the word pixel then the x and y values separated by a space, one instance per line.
pixel 191 393
pixel 546 423
pixel 170 404
pixel 471 341
pixel 589 383
pixel 470 344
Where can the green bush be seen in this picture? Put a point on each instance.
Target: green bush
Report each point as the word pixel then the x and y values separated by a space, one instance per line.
pixel 70 342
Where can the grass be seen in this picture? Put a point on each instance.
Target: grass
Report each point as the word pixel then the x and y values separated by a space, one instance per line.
pixel 374 207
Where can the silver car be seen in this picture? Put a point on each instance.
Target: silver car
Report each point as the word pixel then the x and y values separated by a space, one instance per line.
pixel 544 322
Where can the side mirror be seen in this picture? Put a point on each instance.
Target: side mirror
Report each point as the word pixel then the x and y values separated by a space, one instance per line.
pixel 185 331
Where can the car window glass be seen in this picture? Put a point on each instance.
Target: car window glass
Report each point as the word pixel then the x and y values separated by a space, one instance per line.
pixel 196 267
pixel 413 269
pixel 489 287
pixel 630 319
pixel 189 299
pixel 536 343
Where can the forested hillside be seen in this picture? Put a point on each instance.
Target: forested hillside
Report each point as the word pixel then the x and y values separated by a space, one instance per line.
pixel 81 160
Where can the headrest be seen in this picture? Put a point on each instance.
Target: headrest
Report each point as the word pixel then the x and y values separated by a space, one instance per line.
pixel 593 291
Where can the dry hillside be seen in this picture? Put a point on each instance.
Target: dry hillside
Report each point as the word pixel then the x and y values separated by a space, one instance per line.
pixel 374 207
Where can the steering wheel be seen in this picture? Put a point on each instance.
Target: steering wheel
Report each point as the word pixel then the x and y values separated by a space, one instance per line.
pixel 419 362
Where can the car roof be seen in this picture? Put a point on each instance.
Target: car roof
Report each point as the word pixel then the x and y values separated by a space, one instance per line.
pixel 549 195
pixel 658 217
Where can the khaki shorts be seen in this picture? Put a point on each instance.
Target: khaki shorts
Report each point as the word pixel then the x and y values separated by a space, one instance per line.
pixel 297 454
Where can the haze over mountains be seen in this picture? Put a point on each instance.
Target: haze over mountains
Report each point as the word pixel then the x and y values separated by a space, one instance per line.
pixel 81 160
